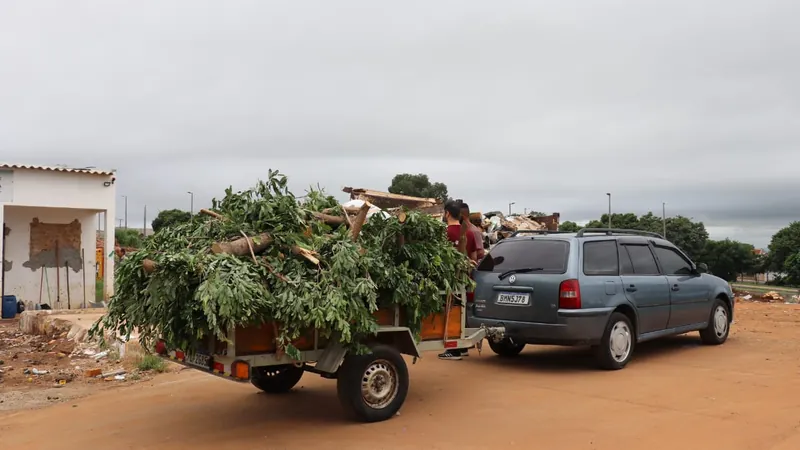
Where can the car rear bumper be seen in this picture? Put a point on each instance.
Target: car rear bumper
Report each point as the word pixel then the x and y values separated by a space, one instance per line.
pixel 573 327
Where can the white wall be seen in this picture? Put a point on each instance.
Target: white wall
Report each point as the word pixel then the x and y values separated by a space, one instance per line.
pixel 51 189
pixel 47 188
pixel 24 282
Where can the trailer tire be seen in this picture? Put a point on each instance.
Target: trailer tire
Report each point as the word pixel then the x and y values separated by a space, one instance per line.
pixel 373 387
pixel 276 379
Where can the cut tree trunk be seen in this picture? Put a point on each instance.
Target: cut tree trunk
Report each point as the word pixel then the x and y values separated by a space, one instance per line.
pixel 358 223
pixel 149 266
pixel 329 219
pixel 240 247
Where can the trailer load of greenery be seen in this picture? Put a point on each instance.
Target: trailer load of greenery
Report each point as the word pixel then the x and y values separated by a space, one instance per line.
pixel 263 255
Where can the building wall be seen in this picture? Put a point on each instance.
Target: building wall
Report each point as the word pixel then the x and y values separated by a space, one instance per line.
pixel 25 282
pixel 71 192
pixel 47 188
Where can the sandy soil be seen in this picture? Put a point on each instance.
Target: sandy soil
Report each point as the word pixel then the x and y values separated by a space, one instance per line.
pixel 676 394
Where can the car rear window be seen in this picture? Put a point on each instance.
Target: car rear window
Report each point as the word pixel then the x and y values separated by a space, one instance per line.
pixel 546 256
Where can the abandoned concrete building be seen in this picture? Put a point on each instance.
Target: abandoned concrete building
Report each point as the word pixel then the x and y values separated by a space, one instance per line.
pixel 50 216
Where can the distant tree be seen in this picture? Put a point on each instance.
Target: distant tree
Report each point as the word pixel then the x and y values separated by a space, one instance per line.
pixel 570 227
pixel 791 269
pixel 784 244
pixel 170 217
pixel 418 186
pixel 689 236
pixel 128 237
pixel 728 259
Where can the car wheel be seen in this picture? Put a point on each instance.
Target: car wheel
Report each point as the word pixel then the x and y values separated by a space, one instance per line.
pixel 506 348
pixel 276 379
pixel 718 327
pixel 373 387
pixel 616 347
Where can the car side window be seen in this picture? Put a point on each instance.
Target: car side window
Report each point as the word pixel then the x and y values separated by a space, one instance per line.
pixel 672 262
pixel 642 260
pixel 625 264
pixel 600 258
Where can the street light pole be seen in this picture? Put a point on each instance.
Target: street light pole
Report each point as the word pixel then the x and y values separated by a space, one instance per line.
pixel 664 217
pixel 509 207
pixel 609 209
pixel 191 207
pixel 126 210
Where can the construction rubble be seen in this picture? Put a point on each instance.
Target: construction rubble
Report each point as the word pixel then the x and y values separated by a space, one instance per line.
pixel 496 226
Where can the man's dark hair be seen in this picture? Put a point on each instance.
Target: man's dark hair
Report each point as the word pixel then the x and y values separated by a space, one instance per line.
pixel 454 208
pixel 465 206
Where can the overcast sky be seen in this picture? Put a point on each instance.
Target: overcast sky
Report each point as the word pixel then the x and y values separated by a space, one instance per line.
pixel 546 104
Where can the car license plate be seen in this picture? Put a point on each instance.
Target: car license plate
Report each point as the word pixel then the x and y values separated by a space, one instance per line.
pixel 198 360
pixel 513 299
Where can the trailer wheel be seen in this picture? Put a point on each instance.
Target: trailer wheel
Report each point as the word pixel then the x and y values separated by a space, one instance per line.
pixel 373 387
pixel 276 379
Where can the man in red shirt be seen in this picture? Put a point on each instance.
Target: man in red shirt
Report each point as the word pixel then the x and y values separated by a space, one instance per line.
pixel 477 233
pixel 459 234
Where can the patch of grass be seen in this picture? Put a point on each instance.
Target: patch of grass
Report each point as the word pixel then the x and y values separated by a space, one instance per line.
pixel 135 376
pixel 151 362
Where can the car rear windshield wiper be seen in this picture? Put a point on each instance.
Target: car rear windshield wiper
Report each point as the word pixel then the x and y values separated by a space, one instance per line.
pixel 523 270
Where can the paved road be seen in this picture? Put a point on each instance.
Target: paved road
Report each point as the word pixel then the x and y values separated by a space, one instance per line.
pixel 674 395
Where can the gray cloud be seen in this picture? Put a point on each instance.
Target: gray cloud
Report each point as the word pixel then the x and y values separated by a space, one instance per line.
pixel 546 104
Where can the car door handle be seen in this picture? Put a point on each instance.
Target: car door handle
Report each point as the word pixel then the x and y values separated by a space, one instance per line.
pixel 631 288
pixel 675 287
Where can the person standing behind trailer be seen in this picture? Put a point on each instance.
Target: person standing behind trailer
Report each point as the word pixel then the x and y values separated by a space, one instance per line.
pixel 459 235
pixel 477 233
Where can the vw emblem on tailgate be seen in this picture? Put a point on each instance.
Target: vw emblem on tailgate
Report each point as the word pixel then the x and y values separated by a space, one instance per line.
pixel 512 279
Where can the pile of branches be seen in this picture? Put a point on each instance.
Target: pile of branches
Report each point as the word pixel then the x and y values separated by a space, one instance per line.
pixel 263 255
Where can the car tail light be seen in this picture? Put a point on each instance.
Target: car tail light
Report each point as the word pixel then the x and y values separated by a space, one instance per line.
pixel 161 348
pixel 240 370
pixel 569 295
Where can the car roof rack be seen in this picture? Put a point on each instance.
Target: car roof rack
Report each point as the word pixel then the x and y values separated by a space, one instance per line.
pixel 613 231
pixel 545 232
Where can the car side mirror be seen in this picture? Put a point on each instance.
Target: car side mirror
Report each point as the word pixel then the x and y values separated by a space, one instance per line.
pixel 702 268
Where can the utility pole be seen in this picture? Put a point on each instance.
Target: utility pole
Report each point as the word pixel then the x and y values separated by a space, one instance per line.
pixel 509 207
pixel 609 209
pixel 664 217
pixel 120 223
pixel 126 210
pixel 191 204
pixel 144 224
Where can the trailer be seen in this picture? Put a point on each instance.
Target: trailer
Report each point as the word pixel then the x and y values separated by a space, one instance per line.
pixel 371 387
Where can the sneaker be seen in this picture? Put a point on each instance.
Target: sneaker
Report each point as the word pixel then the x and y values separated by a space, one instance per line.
pixel 450 356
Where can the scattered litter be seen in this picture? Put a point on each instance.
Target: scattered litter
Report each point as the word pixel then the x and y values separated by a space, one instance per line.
pixel 89 352
pixel 747 297
pixel 101 355
pixel 92 373
pixel 113 374
pixel 36 371
pixel 119 377
pixel 772 296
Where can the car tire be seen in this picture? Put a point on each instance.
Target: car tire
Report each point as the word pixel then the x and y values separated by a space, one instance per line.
pixel 276 379
pixel 618 342
pixel 506 348
pixel 719 325
pixel 373 387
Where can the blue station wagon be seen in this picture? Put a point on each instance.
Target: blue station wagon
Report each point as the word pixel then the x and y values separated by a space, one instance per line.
pixel 606 288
